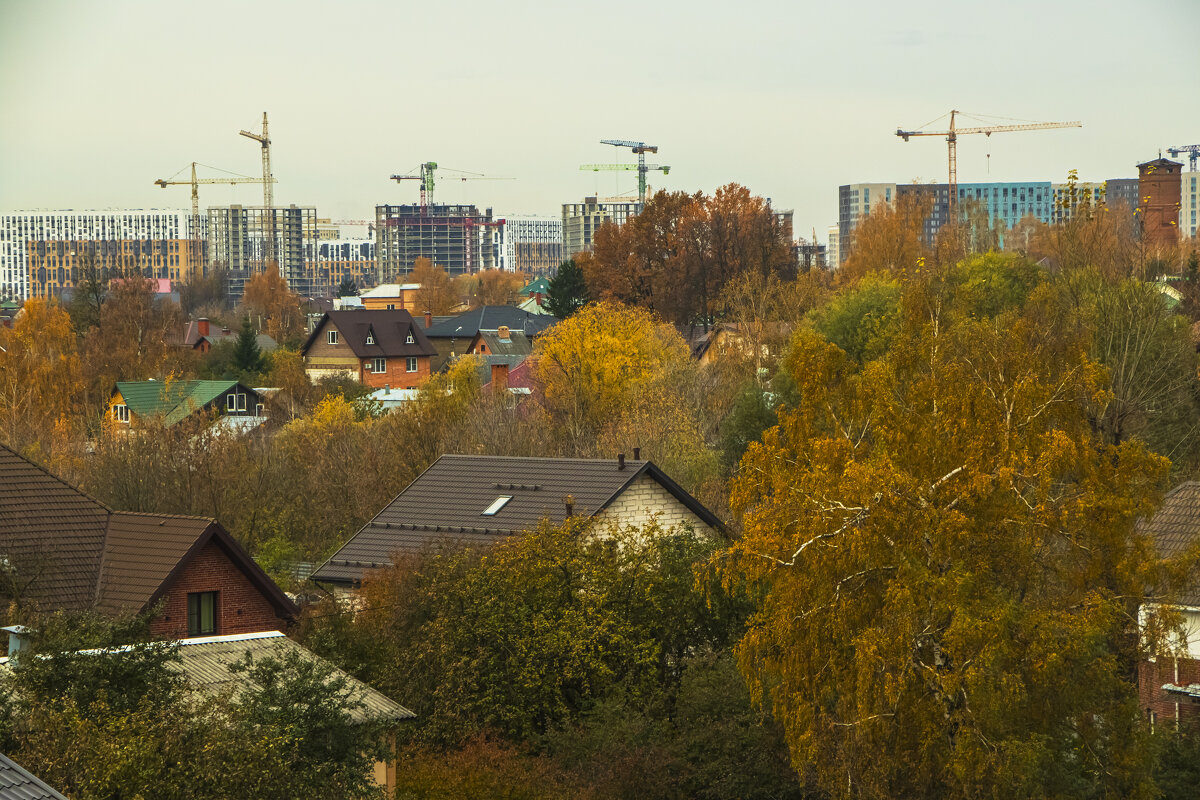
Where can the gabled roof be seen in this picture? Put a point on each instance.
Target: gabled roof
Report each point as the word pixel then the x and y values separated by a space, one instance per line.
pixel 79 554
pixel 18 783
pixel 539 285
pixel 173 400
pixel 1176 529
pixel 466 325
pixel 448 500
pixel 515 344
pixel 205 662
pixel 390 329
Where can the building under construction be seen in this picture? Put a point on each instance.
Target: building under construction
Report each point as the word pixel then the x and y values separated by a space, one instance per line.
pixel 457 238
pixel 245 240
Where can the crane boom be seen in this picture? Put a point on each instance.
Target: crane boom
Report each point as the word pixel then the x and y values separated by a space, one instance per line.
pixel 640 148
pixel 1192 150
pixel 952 144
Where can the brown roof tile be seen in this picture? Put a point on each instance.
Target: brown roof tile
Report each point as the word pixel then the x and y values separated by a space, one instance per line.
pixel 390 329
pixel 1176 529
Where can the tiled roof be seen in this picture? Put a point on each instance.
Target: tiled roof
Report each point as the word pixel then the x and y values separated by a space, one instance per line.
pixel 490 318
pixel 448 500
pixel 515 344
pixel 50 530
pixel 17 783
pixel 140 552
pixel 389 328
pixel 205 662
pixel 1176 529
pixel 173 400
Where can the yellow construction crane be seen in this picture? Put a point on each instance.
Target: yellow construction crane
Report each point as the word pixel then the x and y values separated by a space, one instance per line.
pixel 952 141
pixel 268 181
pixel 195 184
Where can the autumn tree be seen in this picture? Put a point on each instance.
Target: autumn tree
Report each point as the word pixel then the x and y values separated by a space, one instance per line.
pixel 268 298
pixel 568 290
pixel 947 564
pixel 1090 235
pixel 437 294
pixel 889 239
pixel 495 287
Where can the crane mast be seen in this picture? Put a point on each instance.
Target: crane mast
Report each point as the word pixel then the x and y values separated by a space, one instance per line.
pixel 640 148
pixel 268 190
pixel 954 132
pixel 1193 154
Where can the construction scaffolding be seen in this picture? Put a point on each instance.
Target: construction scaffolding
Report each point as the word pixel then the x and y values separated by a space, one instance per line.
pixel 457 238
pixel 246 240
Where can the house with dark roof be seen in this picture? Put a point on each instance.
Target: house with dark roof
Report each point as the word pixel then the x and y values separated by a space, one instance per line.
pixel 479 500
pixel 379 348
pixel 63 550
pixel 173 401
pixel 201 336
pixel 453 336
pixel 18 783
pixel 1170 688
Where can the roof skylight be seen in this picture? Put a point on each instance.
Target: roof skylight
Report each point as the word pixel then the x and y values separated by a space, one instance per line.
pixel 496 505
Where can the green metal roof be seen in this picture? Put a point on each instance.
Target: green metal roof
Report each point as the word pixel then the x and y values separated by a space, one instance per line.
pixel 535 286
pixel 171 400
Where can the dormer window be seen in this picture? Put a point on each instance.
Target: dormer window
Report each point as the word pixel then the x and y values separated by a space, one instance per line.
pixel 370 337
pixel 497 504
pixel 410 339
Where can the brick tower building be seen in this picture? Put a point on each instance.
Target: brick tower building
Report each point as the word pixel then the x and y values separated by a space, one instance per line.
pixel 1160 189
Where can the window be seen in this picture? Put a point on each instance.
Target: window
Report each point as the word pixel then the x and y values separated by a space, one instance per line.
pixel 231 402
pixel 391 306
pixel 202 613
pixel 370 337
pixel 497 504
pixel 410 339
pixel 241 401
pixel 331 337
pixel 412 364
pixel 379 365
pixel 259 409
pixel 121 413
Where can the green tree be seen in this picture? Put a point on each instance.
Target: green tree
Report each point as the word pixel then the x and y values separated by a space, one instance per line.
pixel 347 288
pixel 247 358
pixel 946 563
pixel 568 290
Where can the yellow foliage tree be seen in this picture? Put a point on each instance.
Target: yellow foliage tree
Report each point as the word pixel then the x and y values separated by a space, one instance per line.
pixel 438 294
pixel 267 296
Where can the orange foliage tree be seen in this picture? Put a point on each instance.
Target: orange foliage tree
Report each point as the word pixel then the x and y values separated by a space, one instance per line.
pixel 437 294
pixel 267 297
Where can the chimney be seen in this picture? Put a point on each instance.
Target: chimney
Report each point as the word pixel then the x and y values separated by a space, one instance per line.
pixel 17 639
pixel 428 319
pixel 500 377
pixel 637 454
pixel 202 326
pixel 225 331
pixel 620 461
pixel 503 333
pixel 569 500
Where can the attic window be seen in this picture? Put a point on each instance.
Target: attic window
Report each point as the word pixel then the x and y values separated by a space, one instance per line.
pixel 370 337
pixel 496 505
pixel 410 339
pixel 332 337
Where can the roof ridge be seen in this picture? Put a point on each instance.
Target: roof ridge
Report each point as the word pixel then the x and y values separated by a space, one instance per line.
pixel 209 520
pixel 50 474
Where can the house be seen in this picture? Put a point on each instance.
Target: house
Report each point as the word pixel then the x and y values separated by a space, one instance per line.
pixel 500 342
pixel 17 783
pixel 376 348
pixel 200 335
pixel 532 296
pixel 1169 688
pixel 479 500
pixel 62 550
pixel 390 296
pixel 453 336
pixel 239 406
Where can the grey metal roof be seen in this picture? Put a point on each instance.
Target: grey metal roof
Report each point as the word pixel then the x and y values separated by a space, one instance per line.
pixel 447 502
pixel 1176 529
pixel 205 663
pixel 490 318
pixel 17 783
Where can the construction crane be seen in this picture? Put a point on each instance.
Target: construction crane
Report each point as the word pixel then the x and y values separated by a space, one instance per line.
pixel 425 176
pixel 642 169
pixel 1193 154
pixel 641 148
pixel 268 181
pixel 195 184
pixel 952 141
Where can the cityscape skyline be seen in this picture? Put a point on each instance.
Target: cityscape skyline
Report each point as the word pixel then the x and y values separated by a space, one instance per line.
pixel 806 99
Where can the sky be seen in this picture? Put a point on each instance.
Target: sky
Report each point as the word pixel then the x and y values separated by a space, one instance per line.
pixel 791 99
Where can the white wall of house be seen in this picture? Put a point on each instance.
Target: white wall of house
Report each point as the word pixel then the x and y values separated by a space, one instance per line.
pixel 644 500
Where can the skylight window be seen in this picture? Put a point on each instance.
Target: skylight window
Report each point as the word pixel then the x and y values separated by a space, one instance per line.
pixel 496 505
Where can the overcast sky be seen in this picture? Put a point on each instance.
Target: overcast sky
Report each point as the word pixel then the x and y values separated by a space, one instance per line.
pixel 98 99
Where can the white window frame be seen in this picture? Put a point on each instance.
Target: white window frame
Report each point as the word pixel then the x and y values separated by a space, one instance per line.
pixel 378 365
pixel 410 339
pixel 412 364
pixel 121 413
pixel 370 337
pixel 497 504
pixel 259 409
pixel 331 337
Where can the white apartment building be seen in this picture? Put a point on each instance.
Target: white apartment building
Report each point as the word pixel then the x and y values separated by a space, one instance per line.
pixel 19 228
pixel 533 245
pixel 580 221
pixel 1188 204
pixel 832 255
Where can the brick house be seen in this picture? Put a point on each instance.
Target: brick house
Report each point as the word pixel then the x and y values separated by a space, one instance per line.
pixel 1169 688
pixel 380 348
pixel 478 500
pixel 62 550
pixel 452 336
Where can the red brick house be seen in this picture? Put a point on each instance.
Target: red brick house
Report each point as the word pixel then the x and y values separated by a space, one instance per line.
pixel 62 550
pixel 378 348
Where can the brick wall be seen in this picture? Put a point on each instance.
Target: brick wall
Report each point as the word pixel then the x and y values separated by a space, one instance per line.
pixel 241 607
pixel 646 499
pixel 397 375
pixel 1153 674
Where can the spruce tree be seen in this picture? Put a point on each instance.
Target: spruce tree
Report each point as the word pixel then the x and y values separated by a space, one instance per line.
pixel 568 292
pixel 247 358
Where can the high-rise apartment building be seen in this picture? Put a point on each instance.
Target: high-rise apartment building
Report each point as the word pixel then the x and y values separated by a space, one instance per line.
pixel 532 245
pixel 245 240
pixel 833 255
pixel 1188 205
pixel 1006 204
pixel 580 221
pixel 116 228
pixel 58 266
pixel 457 238
pixel 328 263
pixel 855 201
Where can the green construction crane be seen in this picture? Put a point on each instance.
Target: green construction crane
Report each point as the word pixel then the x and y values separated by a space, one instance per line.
pixel 641 148
pixel 641 170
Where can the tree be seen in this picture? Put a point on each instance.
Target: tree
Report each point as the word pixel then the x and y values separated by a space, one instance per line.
pixel 247 358
pixel 946 563
pixel 496 287
pixel 347 288
pixel 568 290
pixel 890 239
pixel 437 294
pixel 267 296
